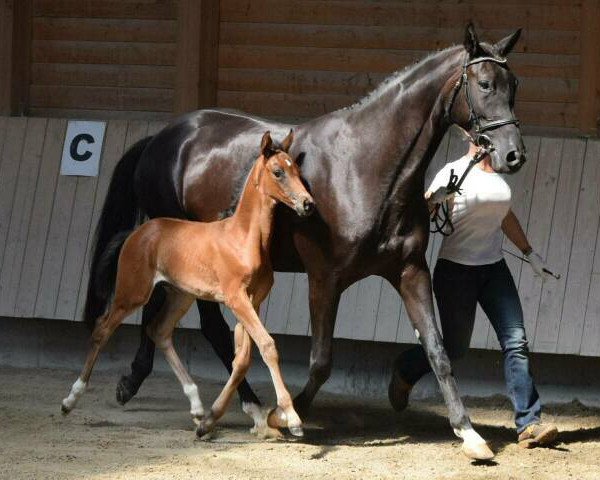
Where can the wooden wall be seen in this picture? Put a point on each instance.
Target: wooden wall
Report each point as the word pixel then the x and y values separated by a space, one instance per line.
pixel 102 55
pixel 46 223
pixel 286 58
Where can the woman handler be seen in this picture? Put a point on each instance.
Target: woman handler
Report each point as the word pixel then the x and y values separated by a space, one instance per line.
pixel 470 270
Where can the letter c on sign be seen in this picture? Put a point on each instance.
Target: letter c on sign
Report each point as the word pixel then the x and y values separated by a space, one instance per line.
pixel 75 155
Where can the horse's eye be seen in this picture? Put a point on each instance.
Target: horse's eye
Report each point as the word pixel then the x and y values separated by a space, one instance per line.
pixel 484 84
pixel 278 173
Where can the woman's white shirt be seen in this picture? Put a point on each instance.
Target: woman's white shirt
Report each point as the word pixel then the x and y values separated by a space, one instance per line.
pixel 477 214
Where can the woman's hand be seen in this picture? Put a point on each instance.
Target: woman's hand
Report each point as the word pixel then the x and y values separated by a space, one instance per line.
pixel 537 263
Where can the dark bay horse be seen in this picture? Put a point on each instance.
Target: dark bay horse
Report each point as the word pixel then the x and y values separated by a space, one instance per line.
pixel 226 261
pixel 365 167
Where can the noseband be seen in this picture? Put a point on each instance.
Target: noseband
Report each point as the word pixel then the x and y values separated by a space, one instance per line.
pixel 475 121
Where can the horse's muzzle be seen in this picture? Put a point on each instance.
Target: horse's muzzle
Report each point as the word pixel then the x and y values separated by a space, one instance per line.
pixel 515 160
pixel 305 207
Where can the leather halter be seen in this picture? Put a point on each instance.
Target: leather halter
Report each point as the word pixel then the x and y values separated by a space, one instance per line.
pixel 475 120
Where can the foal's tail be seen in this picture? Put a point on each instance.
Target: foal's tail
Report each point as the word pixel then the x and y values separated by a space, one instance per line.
pixel 120 215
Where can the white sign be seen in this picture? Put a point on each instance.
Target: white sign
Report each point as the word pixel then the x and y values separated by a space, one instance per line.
pixel 82 148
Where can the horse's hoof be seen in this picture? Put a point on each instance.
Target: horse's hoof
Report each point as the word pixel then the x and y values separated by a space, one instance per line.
pixel 64 409
pixel 398 392
pixel 197 418
pixel 276 418
pixel 205 426
pixel 478 451
pixel 125 390
pixel 296 431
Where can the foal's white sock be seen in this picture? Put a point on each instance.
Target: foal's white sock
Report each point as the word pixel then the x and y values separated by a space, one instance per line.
pixel 77 391
pixel 191 391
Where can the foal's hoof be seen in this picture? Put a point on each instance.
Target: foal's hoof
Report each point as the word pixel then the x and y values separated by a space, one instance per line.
pixel 64 409
pixel 296 431
pixel 125 390
pixel 205 426
pixel 478 451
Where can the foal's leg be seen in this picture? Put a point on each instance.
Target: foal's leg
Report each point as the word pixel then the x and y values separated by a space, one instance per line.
pixel 247 316
pixel 415 288
pixel 161 331
pixel 105 327
pixel 240 364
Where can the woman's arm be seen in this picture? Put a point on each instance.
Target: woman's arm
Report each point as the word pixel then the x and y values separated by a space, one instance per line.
pixel 512 229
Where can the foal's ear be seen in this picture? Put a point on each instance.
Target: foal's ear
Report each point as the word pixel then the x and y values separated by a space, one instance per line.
pixel 506 45
pixel 471 41
pixel 287 142
pixel 266 145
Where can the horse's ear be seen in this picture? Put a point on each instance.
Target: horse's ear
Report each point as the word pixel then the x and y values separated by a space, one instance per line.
pixel 287 142
pixel 505 46
pixel 266 145
pixel 471 41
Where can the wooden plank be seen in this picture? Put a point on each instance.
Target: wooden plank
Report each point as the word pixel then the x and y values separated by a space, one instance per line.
pixel 538 233
pixel 56 245
pixel 158 9
pixel 375 60
pixel 107 98
pixel 346 312
pixel 559 248
pixel 582 255
pixel 590 345
pixel 104 29
pixel 389 37
pixel 9 172
pixel 388 314
pixel 401 14
pixel 209 52
pixel 40 219
pixel 589 91
pixel 76 74
pixel 21 215
pixel 359 83
pixel 299 314
pixel 80 231
pixel 113 53
pixel 114 142
pixel 21 57
pixel 6 35
pixel 362 323
pixel 279 302
pixel 89 114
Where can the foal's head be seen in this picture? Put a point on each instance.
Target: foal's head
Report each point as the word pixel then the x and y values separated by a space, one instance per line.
pixel 279 176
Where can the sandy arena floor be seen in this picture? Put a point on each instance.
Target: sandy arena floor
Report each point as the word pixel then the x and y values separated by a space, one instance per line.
pixel 152 438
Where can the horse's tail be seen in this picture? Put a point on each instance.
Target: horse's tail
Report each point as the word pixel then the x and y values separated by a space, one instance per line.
pixel 120 215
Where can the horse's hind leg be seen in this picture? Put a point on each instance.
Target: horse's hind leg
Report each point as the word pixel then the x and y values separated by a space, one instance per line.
pixel 141 366
pixel 161 331
pixel 105 327
pixel 240 366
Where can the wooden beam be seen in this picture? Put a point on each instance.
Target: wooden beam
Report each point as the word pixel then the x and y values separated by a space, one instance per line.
pixel 589 77
pixel 6 31
pixel 21 56
pixel 197 55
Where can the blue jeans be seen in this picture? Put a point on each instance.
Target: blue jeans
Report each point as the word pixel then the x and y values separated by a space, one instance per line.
pixel 457 289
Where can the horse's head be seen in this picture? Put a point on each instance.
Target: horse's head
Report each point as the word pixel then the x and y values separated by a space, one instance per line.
pixel 280 178
pixel 484 99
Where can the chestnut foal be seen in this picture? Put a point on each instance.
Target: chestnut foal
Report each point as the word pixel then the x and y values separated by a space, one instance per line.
pixel 224 261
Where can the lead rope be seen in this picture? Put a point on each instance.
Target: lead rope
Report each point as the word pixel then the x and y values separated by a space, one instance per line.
pixel 443 219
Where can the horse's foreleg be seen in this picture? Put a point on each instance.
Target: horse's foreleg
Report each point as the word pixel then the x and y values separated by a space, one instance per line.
pixel 105 327
pixel 415 288
pixel 141 366
pixel 324 299
pixel 240 366
pixel 215 329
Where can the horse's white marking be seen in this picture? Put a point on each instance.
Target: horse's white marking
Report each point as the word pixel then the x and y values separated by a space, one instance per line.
pixel 191 391
pixel 417 334
pixel 258 415
pixel 76 392
pixel 159 277
pixel 288 162
pixel 469 435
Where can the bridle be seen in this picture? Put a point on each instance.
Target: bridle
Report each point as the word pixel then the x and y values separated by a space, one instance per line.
pixel 442 219
pixel 475 121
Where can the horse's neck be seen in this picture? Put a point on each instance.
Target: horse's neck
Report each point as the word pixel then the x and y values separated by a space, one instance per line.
pixel 253 217
pixel 408 114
